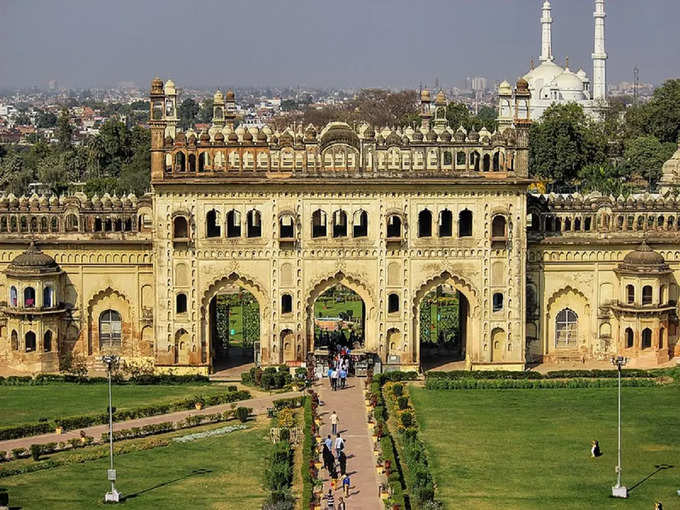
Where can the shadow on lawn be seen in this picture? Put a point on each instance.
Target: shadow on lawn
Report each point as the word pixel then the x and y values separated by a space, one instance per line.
pixel 195 472
pixel 659 467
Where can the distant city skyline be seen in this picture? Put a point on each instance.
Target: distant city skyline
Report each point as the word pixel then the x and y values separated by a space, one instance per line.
pixel 383 43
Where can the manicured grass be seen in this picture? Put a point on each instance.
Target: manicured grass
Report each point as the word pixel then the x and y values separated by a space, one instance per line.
pixel 26 404
pixel 331 308
pixel 220 472
pixel 529 449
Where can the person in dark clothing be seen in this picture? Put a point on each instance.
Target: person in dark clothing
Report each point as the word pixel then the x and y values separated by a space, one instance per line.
pixel 342 461
pixel 328 459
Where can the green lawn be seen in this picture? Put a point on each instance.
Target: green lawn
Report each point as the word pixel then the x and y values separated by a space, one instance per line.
pixel 25 404
pixel 221 472
pixel 529 449
pixel 330 308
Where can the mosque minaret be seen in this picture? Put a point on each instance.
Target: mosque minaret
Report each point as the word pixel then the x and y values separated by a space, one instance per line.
pixel 550 83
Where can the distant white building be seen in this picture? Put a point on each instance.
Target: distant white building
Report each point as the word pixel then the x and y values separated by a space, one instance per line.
pixel 550 83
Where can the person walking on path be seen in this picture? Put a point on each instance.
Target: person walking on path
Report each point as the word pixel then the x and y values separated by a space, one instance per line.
pixel 339 444
pixel 334 379
pixel 345 485
pixel 328 459
pixel 330 503
pixel 330 375
pixel 334 423
pixel 341 504
pixel 328 442
pixel 343 377
pixel 342 461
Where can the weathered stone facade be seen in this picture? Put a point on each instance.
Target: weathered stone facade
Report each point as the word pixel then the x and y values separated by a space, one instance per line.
pixel 390 214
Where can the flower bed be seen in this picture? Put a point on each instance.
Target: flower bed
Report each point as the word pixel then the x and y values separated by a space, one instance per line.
pixel 43 379
pixel 308 455
pixel 559 374
pixel 209 433
pixel 509 384
pixel 79 422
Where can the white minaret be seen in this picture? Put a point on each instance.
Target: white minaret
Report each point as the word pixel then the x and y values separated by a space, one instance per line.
pixel 599 54
pixel 546 36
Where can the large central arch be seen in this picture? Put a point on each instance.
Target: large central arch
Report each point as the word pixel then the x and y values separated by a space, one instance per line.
pixel 340 278
pixel 471 325
pixel 223 286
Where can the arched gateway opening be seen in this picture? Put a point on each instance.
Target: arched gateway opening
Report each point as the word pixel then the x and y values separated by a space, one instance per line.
pixel 233 318
pixel 442 317
pixel 339 314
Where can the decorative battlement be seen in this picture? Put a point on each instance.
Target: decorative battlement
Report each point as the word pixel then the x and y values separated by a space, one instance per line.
pixel 432 150
pixel 568 214
pixel 49 214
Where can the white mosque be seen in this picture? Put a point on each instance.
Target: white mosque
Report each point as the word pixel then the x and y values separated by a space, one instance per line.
pixel 550 83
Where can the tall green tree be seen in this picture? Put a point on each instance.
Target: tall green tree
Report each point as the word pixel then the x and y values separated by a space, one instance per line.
pixel 64 130
pixel 187 112
pixel 664 112
pixel 458 114
pixel 205 113
pixel 646 156
pixel 562 142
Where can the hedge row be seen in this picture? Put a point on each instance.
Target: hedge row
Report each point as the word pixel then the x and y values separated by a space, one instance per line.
pixel 95 454
pixel 308 455
pixel 274 378
pixel 559 374
pixel 278 477
pixel 79 422
pixel 292 402
pixel 389 452
pixel 43 379
pixel 507 384
pixel 419 478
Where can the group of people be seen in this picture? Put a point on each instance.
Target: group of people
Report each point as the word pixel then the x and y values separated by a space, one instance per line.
pixel 336 465
pixel 338 369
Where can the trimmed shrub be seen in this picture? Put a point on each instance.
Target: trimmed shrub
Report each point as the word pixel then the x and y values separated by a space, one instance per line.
pixel 398 390
pixel 36 450
pixel 242 413
pixel 402 402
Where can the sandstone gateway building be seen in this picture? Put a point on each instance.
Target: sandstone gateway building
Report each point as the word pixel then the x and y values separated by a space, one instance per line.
pixel 389 213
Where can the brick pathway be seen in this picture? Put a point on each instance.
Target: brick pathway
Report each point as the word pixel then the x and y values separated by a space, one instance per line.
pixel 259 406
pixel 351 409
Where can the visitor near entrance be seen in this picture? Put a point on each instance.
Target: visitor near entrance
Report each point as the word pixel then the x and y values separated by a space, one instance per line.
pixel 342 462
pixel 595 449
pixel 330 503
pixel 339 444
pixel 334 423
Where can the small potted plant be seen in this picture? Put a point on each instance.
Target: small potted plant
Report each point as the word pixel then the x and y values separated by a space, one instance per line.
pixel 379 465
pixel 59 429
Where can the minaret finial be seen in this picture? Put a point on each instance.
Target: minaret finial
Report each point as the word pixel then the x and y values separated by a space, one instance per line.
pixel 546 33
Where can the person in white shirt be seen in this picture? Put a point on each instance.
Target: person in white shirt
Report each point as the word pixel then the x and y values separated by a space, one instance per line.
pixel 339 444
pixel 334 423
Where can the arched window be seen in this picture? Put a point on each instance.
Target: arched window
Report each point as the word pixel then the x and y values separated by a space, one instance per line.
pixel 13 296
pixel 180 228
pixel 14 340
pixel 496 161
pixel 203 161
pixel 118 225
pixel 3 224
pixel 110 329
pixel 534 222
pixel 497 302
pixel 48 297
pixel 71 223
pixel 107 225
pixel 212 220
pixel 192 163
pixel 392 303
pixel 630 338
pixel 425 223
pixel 630 294
pixel 445 223
pixel 498 227
pixel 460 158
pixel 487 162
pixel 254 227
pixel 465 223
pixel 30 341
pixel 318 223
pixel 566 328
pixel 180 162
pixel 286 303
pixel 181 303
pixel 360 221
pixel 43 224
pixel 29 297
pixel 233 223
pixel 54 224
pixel 393 226
pixel 286 227
pixel 647 295
pixel 646 338
pixel 47 341
pixel 662 295
pixel 448 158
pixel 34 224
pixel 339 223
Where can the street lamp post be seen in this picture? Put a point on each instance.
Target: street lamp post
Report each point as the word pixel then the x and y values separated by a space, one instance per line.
pixel 619 491
pixel 113 496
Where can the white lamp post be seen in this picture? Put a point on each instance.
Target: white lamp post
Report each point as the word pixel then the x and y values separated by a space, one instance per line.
pixel 113 496
pixel 619 491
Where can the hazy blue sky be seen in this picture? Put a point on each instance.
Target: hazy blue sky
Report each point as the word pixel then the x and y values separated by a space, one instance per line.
pixel 350 43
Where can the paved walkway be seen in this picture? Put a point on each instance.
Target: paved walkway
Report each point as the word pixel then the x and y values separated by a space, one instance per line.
pixel 351 410
pixel 259 406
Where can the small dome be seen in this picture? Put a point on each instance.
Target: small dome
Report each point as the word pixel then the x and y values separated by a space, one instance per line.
pixel 261 137
pixel 569 81
pixel 369 133
pixel 339 132
pixel 286 138
pixel 233 137
pixel 168 141
pixel 157 86
pixel 230 95
pixel 204 137
pixel 440 100
pixel 247 136
pixel 425 96
pixel 393 139
pixel 504 89
pixel 418 136
pixel 644 260
pixel 473 135
pixel 218 97
pixel 380 140
pixel 522 85
pixel 405 140
pixel 460 134
pixel 32 262
pixel 219 137
pixel 170 87
pixel 274 140
pixel 445 137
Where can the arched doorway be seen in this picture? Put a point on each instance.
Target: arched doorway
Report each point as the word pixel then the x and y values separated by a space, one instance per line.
pixel 443 311
pixel 232 319
pixel 443 315
pixel 234 324
pixel 339 318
